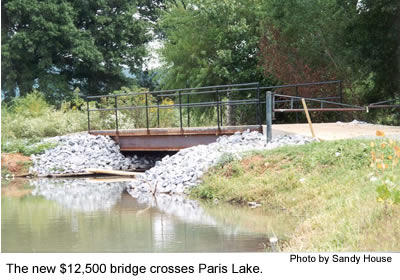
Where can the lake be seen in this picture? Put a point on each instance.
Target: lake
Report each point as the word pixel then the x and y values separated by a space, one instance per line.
pixel 99 215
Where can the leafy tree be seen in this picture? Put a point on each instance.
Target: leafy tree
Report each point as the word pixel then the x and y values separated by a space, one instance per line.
pixel 372 38
pixel 353 40
pixel 57 45
pixel 210 42
pixel 301 41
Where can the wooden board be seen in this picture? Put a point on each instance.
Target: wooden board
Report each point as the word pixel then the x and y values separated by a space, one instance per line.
pixel 111 179
pixel 112 172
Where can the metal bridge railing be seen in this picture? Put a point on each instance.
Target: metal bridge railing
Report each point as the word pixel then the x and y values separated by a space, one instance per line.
pixel 249 94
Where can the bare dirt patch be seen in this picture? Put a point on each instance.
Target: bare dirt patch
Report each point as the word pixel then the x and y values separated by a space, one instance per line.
pixel 336 131
pixel 16 164
pixel 260 164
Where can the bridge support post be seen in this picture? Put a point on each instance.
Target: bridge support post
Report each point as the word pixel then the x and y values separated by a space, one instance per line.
pixel 269 116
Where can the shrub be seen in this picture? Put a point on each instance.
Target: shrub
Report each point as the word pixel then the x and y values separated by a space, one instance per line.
pixel 31 117
pixel 26 147
pixel 385 158
pixel 31 106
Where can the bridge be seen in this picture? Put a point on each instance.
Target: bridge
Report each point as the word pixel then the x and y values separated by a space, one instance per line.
pixel 170 120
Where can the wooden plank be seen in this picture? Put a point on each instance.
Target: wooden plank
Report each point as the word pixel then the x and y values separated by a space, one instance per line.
pixel 68 175
pixel 309 119
pixel 111 179
pixel 112 172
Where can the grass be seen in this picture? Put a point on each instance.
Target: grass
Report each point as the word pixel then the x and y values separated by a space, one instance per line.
pixel 327 186
pixel 26 147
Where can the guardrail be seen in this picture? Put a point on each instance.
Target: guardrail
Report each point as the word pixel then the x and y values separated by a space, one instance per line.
pixel 219 97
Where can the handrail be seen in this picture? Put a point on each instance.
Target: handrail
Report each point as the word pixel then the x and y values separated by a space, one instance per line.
pixel 254 89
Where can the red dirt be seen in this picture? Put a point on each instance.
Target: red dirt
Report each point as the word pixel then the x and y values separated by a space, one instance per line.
pixel 17 164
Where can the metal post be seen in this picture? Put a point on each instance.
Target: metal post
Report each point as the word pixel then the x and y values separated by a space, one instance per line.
pixel 341 98
pixel 147 111
pixel 158 113
pixel 297 105
pixel 88 114
pixel 273 106
pixel 269 116
pixel 221 112
pixel 258 111
pixel 116 113
pixel 180 109
pixel 217 97
pixel 188 111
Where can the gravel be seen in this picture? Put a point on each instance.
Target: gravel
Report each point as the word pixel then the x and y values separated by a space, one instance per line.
pixel 172 175
pixel 178 173
pixel 77 152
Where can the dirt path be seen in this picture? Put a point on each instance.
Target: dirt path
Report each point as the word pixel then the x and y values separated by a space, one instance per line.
pixel 335 131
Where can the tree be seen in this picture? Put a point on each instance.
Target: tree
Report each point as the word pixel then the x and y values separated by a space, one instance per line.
pixel 57 45
pixel 373 36
pixel 353 40
pixel 210 42
pixel 301 40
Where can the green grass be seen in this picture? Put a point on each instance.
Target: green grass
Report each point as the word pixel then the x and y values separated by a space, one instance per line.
pixel 26 147
pixel 325 185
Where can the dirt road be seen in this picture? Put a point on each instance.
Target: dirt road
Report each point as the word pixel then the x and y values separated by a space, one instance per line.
pixel 334 131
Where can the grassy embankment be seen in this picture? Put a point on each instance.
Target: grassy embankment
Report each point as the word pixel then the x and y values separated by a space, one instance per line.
pixel 333 193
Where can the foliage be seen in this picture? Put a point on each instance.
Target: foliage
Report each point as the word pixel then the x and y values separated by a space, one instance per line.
pixel 26 147
pixel 351 40
pixel 60 45
pixel 373 45
pixel 32 117
pixel 133 118
pixel 210 42
pixel 225 159
pixel 31 106
pixel 385 157
pixel 299 42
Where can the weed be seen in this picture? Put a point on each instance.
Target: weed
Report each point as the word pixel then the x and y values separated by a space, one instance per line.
pixel 385 156
pixel 26 147
pixel 225 159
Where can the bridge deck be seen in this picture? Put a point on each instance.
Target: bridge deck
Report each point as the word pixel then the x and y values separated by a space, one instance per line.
pixel 169 139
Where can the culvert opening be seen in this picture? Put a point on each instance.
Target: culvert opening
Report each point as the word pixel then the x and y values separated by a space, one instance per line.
pixel 145 160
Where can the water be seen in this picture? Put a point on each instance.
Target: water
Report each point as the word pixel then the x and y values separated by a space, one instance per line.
pixel 87 215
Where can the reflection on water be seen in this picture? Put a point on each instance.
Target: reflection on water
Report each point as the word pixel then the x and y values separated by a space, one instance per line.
pixel 78 194
pixel 80 215
pixel 177 206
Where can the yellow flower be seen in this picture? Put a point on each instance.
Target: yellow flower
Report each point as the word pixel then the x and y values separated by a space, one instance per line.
pixel 380 133
pixel 372 144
